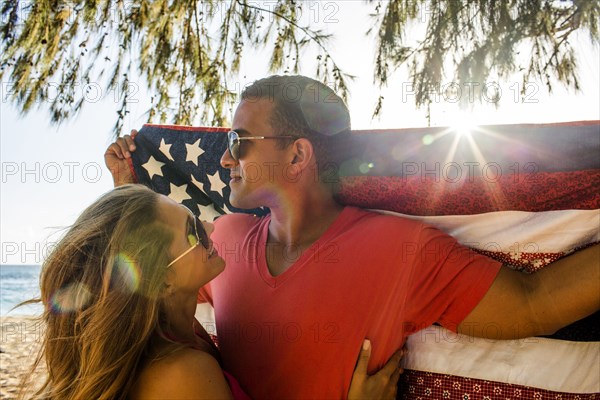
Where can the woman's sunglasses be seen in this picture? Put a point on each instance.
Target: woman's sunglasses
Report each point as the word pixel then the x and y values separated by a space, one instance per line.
pixel 196 235
pixel 233 142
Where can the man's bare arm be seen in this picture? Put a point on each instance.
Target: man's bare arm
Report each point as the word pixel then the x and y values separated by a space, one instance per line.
pixel 117 157
pixel 521 305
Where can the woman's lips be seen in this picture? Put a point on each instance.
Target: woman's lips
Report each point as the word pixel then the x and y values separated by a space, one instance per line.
pixel 212 253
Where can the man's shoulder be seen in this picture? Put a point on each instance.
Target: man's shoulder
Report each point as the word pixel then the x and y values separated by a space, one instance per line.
pixel 385 218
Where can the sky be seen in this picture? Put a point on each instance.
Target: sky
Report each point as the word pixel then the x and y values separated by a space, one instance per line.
pixel 51 173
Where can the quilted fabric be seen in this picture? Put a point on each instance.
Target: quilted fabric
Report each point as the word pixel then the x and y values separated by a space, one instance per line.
pixel 431 172
pixel 420 385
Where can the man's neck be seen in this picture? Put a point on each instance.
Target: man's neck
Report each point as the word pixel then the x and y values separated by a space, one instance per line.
pixel 298 220
pixel 302 219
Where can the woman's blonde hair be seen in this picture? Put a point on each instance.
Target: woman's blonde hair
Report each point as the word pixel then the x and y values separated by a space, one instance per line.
pixel 101 287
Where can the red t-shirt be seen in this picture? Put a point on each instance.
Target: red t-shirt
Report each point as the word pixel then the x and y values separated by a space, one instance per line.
pixel 298 335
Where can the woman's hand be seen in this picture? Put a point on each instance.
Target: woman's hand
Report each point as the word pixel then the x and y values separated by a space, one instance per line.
pixel 383 384
pixel 116 159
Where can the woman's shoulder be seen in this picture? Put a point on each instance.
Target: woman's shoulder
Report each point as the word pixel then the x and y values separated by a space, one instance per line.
pixel 185 373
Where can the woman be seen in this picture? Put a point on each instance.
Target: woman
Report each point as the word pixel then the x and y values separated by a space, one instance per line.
pixel 119 293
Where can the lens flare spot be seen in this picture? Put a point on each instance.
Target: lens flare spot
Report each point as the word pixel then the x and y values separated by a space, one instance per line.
pixel 126 273
pixel 364 168
pixel 427 139
pixel 192 240
pixel 70 298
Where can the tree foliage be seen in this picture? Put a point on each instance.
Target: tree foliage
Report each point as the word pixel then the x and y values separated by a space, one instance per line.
pixel 478 38
pixel 187 50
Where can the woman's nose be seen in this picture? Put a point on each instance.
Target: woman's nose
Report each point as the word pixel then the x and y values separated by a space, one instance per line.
pixel 208 227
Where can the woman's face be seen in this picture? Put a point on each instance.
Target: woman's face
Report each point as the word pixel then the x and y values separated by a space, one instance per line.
pixel 200 265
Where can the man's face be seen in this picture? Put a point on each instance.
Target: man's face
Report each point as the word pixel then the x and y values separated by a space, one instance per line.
pixel 257 176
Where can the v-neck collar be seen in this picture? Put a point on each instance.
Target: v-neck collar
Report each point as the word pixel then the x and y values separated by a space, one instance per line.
pixel 309 253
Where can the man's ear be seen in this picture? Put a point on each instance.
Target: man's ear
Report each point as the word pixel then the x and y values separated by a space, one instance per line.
pixel 303 153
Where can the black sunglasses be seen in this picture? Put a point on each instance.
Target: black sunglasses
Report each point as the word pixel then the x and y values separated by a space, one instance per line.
pixel 233 142
pixel 199 232
pixel 195 236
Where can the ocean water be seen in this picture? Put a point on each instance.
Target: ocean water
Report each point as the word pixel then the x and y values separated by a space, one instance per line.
pixel 19 283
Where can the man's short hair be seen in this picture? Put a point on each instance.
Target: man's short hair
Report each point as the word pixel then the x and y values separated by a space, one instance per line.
pixel 304 107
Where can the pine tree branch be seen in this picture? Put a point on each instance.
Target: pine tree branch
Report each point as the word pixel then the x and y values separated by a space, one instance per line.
pixel 198 36
pixel 225 39
pixel 306 31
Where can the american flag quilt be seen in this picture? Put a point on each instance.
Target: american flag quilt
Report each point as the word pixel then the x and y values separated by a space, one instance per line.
pixel 523 194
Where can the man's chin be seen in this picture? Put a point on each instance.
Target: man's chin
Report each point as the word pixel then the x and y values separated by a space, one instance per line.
pixel 247 199
pixel 241 204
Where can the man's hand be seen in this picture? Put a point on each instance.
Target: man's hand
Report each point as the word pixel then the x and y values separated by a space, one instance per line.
pixel 383 384
pixel 116 159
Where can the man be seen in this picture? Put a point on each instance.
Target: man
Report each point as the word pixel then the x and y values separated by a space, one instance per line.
pixel 305 284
